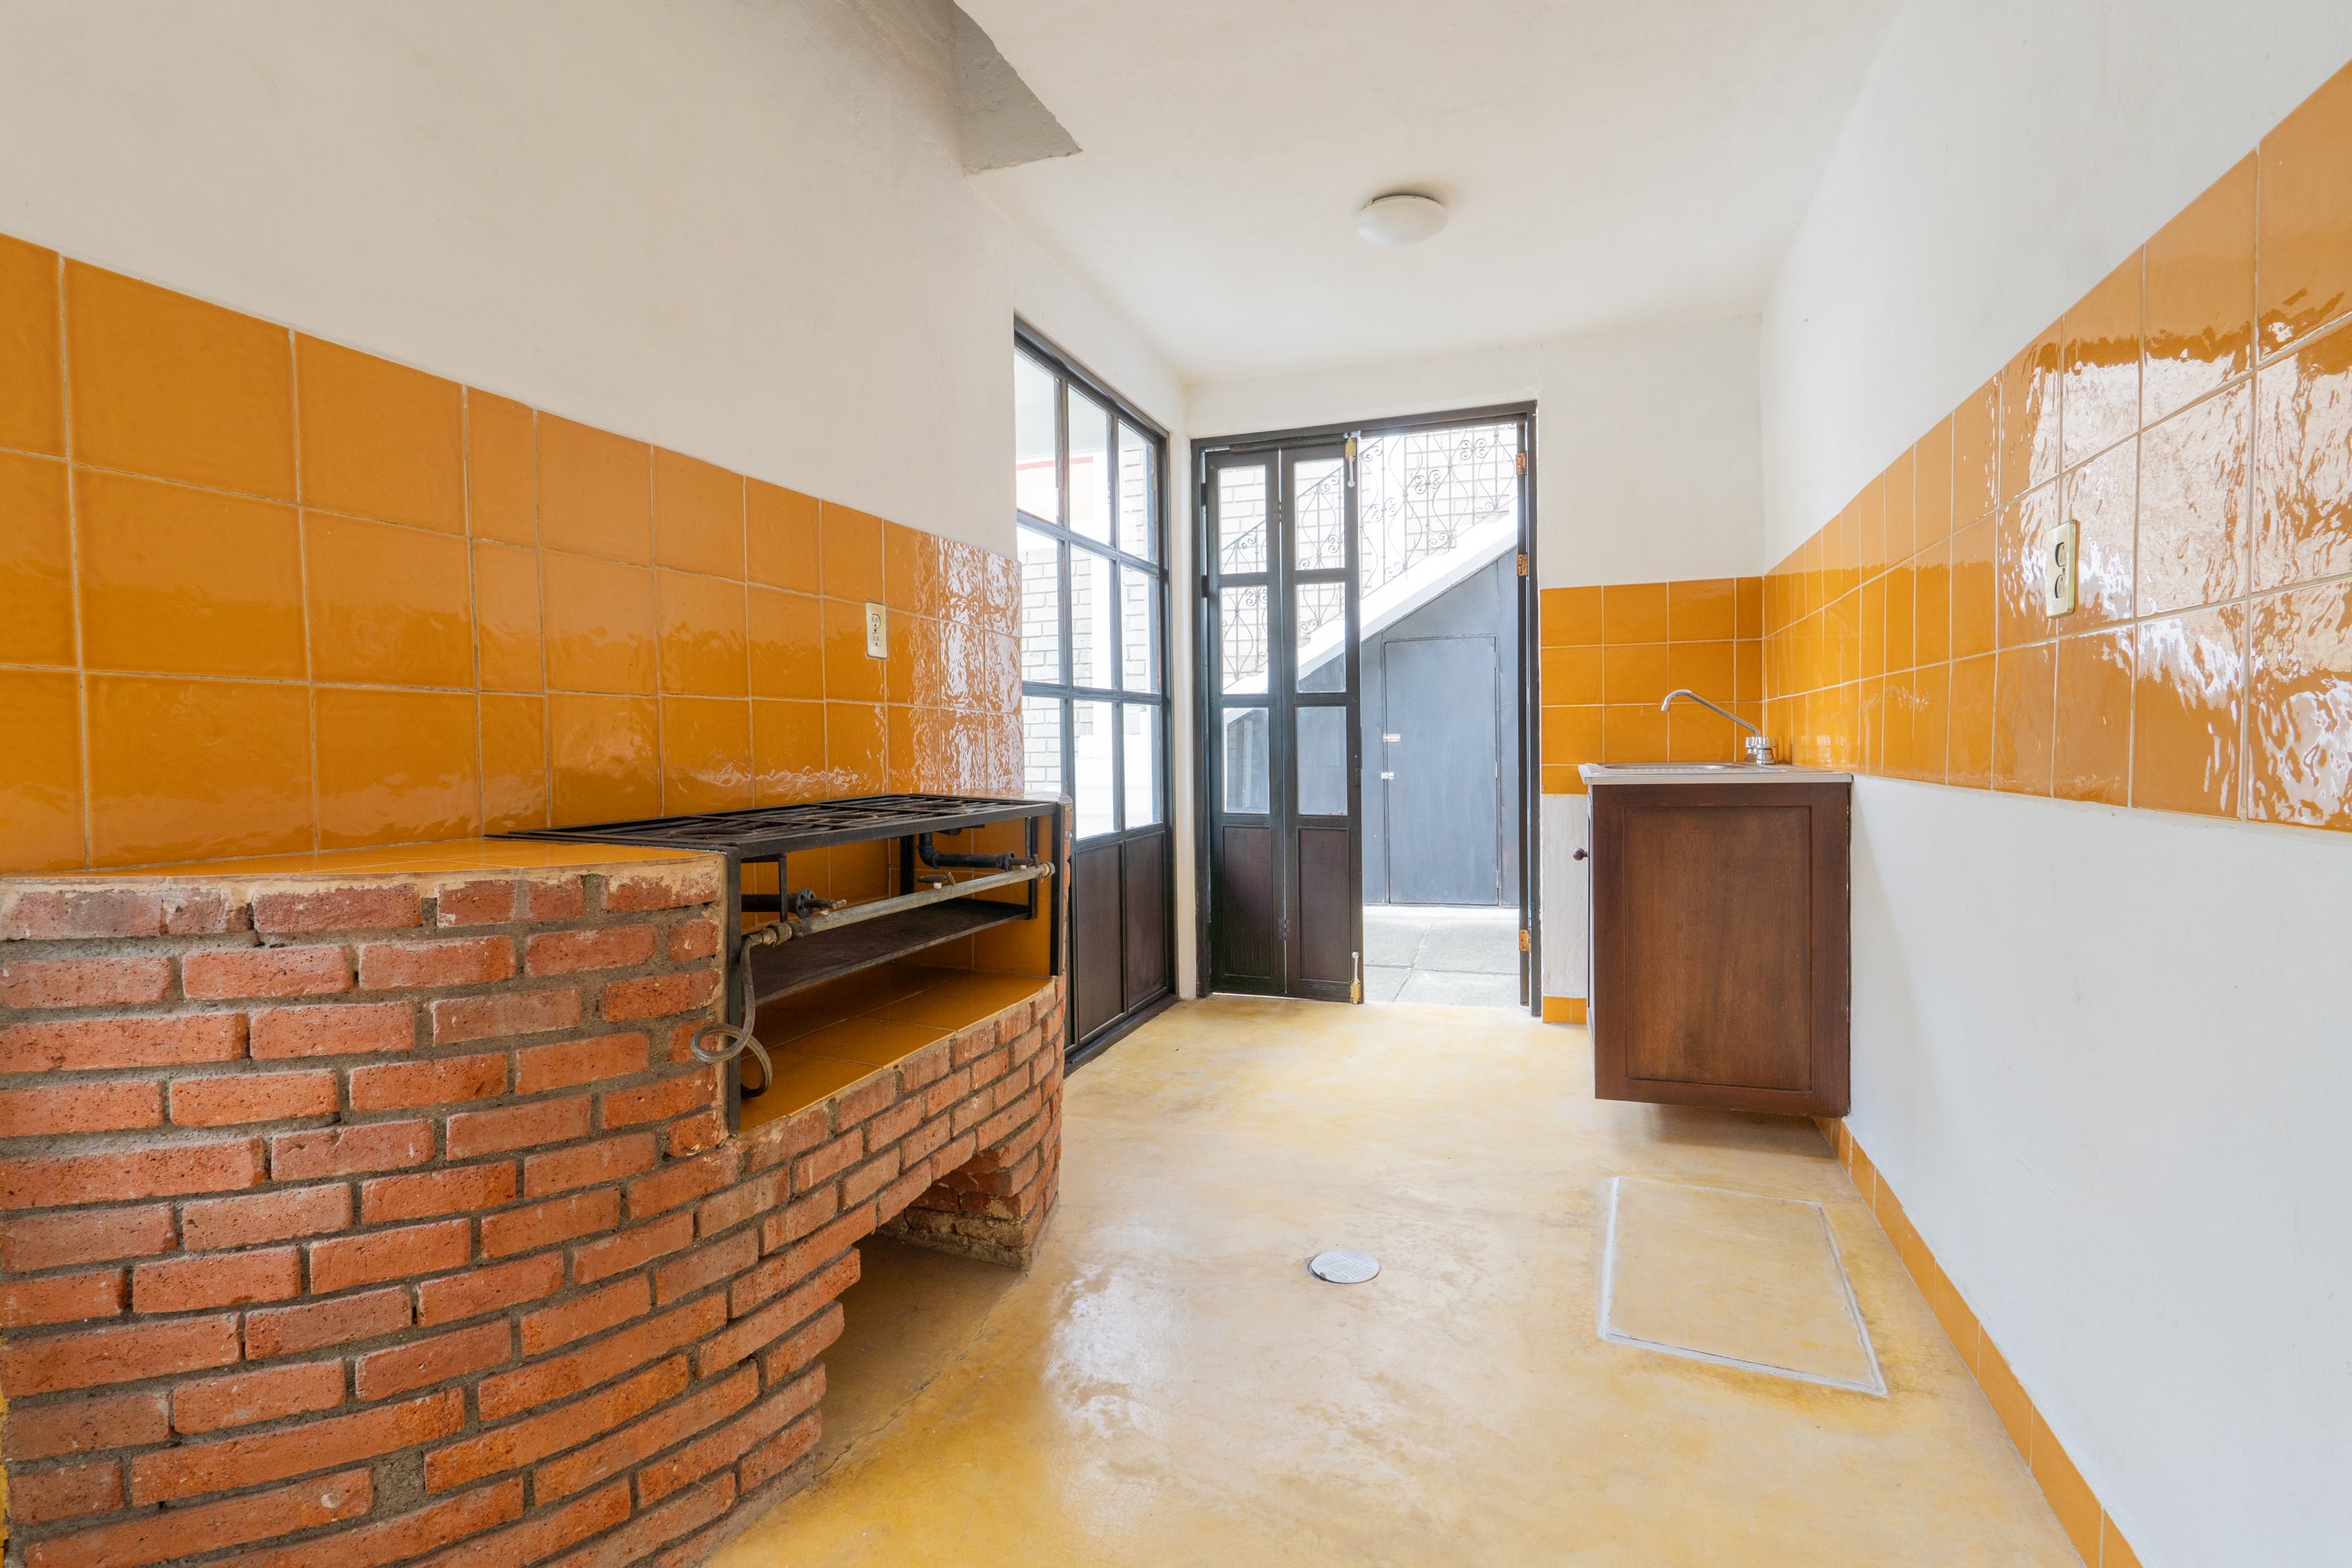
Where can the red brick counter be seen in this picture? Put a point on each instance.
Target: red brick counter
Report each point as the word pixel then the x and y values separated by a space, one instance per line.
pixel 352 1220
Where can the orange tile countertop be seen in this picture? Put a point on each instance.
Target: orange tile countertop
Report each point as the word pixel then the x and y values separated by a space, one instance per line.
pixel 441 858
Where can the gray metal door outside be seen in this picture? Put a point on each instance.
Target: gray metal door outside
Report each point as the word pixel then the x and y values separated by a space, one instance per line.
pixel 1440 730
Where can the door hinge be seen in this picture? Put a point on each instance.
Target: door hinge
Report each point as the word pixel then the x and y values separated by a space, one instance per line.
pixel 1351 448
pixel 1523 465
pixel 1523 942
pixel 1523 563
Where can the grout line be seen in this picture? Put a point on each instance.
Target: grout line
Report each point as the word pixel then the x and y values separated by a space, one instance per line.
pixel 302 568
pixel 73 579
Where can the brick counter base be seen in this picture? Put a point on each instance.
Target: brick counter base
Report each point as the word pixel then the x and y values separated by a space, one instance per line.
pixel 360 1222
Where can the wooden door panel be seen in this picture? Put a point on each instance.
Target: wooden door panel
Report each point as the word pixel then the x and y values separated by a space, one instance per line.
pixel 1248 905
pixel 1094 985
pixel 1325 924
pixel 1144 873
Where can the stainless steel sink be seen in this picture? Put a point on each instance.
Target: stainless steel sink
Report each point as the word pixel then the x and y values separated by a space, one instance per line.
pixel 1687 773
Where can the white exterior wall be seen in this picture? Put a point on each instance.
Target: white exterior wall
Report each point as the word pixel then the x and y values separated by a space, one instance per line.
pixel 2100 1055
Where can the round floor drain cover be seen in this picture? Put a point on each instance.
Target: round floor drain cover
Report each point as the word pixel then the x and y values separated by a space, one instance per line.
pixel 1344 1265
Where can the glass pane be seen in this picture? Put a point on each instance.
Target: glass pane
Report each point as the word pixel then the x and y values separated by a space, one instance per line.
pixel 1241 629
pixel 1245 736
pixel 1041 607
pixel 1323 761
pixel 1135 477
pixel 1241 519
pixel 1424 493
pixel 1034 487
pixel 1318 509
pixel 1090 475
pixel 1090 761
pixel 1137 595
pixel 1140 729
pixel 1094 620
pixel 1041 745
pixel 1321 633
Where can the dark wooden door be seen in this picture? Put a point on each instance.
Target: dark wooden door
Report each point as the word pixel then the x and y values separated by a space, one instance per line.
pixel 1280 632
pixel 1442 726
pixel 1720 945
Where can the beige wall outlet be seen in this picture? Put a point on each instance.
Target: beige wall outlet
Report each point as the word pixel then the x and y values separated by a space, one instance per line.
pixel 2059 568
pixel 877 631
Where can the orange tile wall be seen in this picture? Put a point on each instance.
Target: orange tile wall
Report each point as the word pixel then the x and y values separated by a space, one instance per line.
pixel 2193 414
pixel 1611 655
pixel 259 593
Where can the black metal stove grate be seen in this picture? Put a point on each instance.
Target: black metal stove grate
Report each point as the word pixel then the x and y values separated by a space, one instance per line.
pixel 764 830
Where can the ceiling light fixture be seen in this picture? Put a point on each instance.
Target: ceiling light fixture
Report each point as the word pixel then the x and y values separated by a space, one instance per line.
pixel 1401 218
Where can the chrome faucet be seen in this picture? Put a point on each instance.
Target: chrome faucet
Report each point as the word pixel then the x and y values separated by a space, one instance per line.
pixel 1759 749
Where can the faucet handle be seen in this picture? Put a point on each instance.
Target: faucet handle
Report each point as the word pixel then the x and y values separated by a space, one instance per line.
pixel 1760 751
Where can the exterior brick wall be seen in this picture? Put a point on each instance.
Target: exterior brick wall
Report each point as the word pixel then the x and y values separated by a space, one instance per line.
pixel 384 1220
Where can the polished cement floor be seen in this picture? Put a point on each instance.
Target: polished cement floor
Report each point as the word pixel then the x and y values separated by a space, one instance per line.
pixel 1440 953
pixel 1167 1385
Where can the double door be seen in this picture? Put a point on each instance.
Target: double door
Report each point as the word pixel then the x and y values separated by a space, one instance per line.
pixel 1284 753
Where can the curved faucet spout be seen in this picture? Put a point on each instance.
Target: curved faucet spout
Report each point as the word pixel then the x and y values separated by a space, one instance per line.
pixel 1759 749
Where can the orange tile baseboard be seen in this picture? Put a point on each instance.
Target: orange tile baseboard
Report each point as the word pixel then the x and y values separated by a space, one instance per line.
pixel 1563 1010
pixel 2085 1518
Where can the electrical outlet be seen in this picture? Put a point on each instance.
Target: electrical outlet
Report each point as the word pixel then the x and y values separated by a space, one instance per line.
pixel 2059 568
pixel 877 631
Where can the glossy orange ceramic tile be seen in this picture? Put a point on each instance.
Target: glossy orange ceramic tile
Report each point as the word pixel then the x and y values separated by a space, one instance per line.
pixel 911 570
pixel 2092 750
pixel 596 491
pixel 2188 691
pixel 1634 733
pixel 1710 669
pixel 703 652
pixel 197 770
pixel 1931 605
pixel 857 748
pixel 2024 710
pixel 963 587
pixel 1872 642
pixel 2302 464
pixel 1970 730
pixel 396 767
pixel 2029 415
pixel 2070 1496
pixel 1695 735
pixel 501 469
pixel 2299 731
pixel 2005 1394
pixel 787 752
pixel 389 606
pixel 2102 498
pixel 40 770
pixel 506 618
pixel 168 387
pixel 1002 574
pixel 850 674
pixel 602 624
pixel 2193 534
pixel 1568 675
pixel 1747 672
pixel 1930 696
pixel 1572 736
pixel 37 609
pixel 1842 639
pixel 1974 589
pixel 706 754
pixel 1902 609
pixel 2305 241
pixel 1571 617
pixel 514 762
pixel 2024 531
pixel 1702 610
pixel 1635 672
pixel 1931 486
pixel 1898 495
pixel 921 670
pixel 32 380
pixel 782 537
pixel 787 645
pixel 2100 354
pixel 603 757
pixel 698 516
pixel 379 440
pixel 2200 295
pixel 1747 606
pixel 2114 1551
pixel 183 581
pixel 1869 513
pixel 1975 455
pixel 1634 613
pixel 849 553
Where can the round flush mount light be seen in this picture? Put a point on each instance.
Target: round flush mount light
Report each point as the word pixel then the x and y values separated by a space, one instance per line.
pixel 1401 218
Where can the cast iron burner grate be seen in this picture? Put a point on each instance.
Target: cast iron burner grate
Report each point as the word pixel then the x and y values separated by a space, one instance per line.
pixel 762 831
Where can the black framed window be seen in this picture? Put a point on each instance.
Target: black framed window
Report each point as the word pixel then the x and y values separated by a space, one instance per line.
pixel 1089 483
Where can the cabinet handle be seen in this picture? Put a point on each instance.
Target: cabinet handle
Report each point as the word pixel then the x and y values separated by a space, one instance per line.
pixel 1578 855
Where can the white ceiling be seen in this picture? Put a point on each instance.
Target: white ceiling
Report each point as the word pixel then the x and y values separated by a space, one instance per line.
pixel 1607 161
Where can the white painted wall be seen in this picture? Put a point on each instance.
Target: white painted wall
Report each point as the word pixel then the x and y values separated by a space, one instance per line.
pixel 1646 439
pixel 2100 1055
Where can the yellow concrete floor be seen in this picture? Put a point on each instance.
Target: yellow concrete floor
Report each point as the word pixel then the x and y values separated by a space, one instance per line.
pixel 1168 1386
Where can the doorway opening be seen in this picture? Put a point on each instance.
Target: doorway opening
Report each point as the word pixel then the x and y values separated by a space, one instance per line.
pixel 1365 618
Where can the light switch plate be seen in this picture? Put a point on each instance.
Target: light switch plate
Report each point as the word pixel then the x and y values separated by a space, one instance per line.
pixel 2060 568
pixel 877 631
